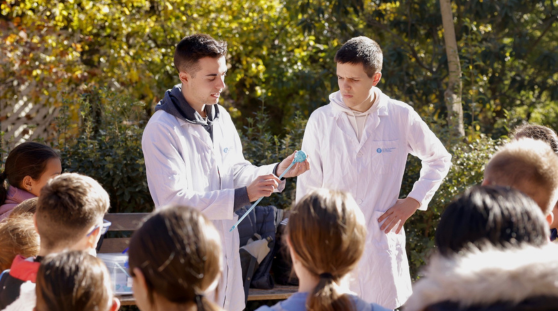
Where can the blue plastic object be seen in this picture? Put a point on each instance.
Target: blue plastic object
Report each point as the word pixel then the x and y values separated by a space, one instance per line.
pixel 299 157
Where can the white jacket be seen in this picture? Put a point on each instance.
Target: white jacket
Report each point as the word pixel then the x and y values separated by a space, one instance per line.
pixel 184 166
pixel 372 171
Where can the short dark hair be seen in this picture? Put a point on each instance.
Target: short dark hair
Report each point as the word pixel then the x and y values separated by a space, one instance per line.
pixel 68 206
pixel 493 215
pixel 538 132
pixel 361 50
pixel 190 49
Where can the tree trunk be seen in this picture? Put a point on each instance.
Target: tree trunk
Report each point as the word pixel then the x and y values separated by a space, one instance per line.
pixel 453 92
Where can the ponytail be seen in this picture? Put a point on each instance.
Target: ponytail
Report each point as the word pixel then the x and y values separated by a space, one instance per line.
pixel 3 190
pixel 326 297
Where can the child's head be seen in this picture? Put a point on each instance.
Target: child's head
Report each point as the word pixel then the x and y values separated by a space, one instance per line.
pixel 70 213
pixel 27 207
pixel 29 166
pixel 538 132
pixel 17 237
pixel 529 166
pixel 326 235
pixel 500 216
pixel 74 281
pixel 175 257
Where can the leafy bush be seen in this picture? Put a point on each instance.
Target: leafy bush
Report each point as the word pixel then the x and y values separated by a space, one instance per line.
pixel 106 145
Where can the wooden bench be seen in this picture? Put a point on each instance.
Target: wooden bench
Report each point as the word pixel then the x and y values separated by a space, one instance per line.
pixel 131 221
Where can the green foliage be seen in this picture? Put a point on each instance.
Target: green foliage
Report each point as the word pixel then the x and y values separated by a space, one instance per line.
pixel 468 160
pixel 108 147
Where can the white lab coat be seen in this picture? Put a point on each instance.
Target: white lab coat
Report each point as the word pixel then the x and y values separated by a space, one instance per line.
pixel 185 167
pixel 372 171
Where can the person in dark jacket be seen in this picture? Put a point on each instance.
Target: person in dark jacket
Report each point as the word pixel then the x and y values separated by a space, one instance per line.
pixel 493 253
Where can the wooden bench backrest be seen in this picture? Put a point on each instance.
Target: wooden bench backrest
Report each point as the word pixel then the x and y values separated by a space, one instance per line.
pixel 121 222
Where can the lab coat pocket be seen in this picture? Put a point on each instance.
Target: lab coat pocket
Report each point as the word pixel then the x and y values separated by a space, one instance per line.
pixel 384 156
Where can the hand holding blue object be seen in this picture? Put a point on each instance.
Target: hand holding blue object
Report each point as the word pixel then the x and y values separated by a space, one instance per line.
pixel 300 157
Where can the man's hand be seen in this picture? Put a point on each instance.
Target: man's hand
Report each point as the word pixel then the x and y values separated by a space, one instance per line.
pixel 263 186
pixel 296 170
pixel 399 213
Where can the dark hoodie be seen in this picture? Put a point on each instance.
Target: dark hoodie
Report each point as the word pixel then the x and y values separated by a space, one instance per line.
pixel 175 104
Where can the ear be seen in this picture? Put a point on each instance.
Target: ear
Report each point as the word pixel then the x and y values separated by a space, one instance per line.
pixel 93 239
pixel 139 286
pixel 485 182
pixel 550 218
pixel 184 77
pixel 27 183
pixel 115 304
pixel 377 77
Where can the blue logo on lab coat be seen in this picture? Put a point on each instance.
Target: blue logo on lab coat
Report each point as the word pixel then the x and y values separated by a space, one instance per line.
pixel 226 150
pixel 379 150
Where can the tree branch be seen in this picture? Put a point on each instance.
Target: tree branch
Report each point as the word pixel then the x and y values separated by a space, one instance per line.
pixel 549 24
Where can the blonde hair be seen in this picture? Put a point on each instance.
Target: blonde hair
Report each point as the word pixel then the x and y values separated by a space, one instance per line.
pixel 68 206
pixel 18 237
pixel 326 231
pixel 27 207
pixel 527 165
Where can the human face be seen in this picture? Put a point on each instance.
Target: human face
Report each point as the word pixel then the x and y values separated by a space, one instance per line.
pixel 53 168
pixel 356 86
pixel 204 87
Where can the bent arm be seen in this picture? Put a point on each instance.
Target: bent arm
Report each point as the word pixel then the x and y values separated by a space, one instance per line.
pixel 435 159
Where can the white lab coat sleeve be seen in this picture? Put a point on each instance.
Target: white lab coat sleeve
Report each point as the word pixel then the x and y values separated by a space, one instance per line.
pixel 245 172
pixel 436 160
pixel 313 178
pixel 166 169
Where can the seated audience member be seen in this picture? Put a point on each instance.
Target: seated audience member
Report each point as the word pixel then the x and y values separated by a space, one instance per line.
pixel 529 166
pixel 69 216
pixel 325 235
pixel 493 255
pixel 27 207
pixel 17 237
pixel 28 168
pixel 74 281
pixel 174 258
pixel 548 136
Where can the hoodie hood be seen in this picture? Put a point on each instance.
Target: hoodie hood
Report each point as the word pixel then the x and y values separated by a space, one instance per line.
pixel 481 278
pixel 337 99
pixel 175 104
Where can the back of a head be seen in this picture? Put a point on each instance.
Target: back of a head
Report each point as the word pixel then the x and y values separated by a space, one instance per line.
pixel 326 231
pixel 192 48
pixel 17 237
pixel 27 207
pixel 500 216
pixel 178 251
pixel 361 50
pixel 69 205
pixel 538 132
pixel 26 159
pixel 73 281
pixel 529 166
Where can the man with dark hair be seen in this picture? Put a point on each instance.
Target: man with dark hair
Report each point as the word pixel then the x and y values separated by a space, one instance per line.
pixel 193 155
pixel 359 143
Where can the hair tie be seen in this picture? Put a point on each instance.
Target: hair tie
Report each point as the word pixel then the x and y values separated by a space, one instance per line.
pixel 326 276
pixel 199 301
